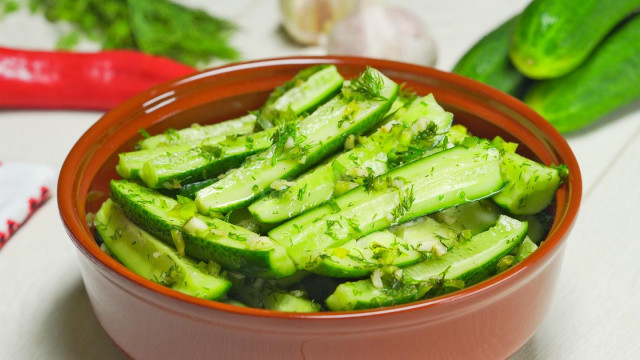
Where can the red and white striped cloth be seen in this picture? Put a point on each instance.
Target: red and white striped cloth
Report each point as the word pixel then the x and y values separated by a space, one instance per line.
pixel 23 189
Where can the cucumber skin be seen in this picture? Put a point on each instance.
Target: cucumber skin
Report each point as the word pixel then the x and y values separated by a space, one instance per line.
pixel 188 190
pixel 206 198
pixel 246 261
pixel 155 225
pixel 488 61
pixel 249 262
pixel 414 289
pixel 553 37
pixel 155 176
pixel 302 236
pixel 607 81
pixel 213 287
pixel 529 186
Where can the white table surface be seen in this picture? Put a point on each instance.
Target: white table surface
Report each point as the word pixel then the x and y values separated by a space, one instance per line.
pixel 44 309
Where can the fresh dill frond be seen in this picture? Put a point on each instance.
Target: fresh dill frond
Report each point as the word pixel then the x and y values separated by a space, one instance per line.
pixel 407 93
pixel 367 86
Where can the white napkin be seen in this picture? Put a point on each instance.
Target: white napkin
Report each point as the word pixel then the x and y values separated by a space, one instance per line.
pixel 23 189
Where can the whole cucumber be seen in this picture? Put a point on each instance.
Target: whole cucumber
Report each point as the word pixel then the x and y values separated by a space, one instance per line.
pixel 488 61
pixel 553 37
pixel 609 79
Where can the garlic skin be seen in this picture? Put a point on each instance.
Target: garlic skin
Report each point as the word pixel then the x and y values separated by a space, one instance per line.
pixel 309 21
pixel 383 32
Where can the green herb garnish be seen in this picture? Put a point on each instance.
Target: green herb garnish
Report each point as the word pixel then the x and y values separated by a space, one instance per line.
pixel 158 27
pixel 366 86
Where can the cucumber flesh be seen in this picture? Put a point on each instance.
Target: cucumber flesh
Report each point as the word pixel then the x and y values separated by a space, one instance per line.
pixel 284 301
pixel 358 258
pixel 486 247
pixel 236 248
pixel 306 91
pixel 257 293
pixel 150 258
pixel 529 186
pixel 406 244
pixel 449 178
pixel 130 164
pixel 210 239
pixel 242 125
pixel 318 135
pixel 525 249
pixel 476 216
pixel 173 169
pixel 478 255
pixel 368 160
pixel 310 190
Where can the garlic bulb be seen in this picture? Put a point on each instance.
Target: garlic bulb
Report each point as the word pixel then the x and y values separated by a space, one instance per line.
pixel 384 32
pixel 309 21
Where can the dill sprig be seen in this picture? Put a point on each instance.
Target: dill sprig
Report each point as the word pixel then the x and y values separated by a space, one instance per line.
pixel 404 205
pixel 287 139
pixel 407 93
pixel 367 86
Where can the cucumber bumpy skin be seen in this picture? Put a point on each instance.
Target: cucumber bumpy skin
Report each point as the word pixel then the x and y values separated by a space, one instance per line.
pixel 150 258
pixel 232 246
pixel 608 80
pixel 553 37
pixel 488 61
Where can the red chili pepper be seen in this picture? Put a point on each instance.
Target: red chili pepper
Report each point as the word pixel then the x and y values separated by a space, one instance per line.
pixel 67 80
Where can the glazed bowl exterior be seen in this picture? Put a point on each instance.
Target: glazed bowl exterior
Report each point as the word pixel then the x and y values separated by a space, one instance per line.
pixel 490 320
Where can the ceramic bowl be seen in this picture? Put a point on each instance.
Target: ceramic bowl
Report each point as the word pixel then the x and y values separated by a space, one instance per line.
pixel 490 320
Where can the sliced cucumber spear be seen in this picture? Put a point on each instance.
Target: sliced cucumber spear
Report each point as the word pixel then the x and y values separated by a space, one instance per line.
pixel 172 170
pixel 448 178
pixel 310 88
pixel 363 102
pixel 422 120
pixel 200 237
pixel 530 186
pixel 478 255
pixel 258 293
pixel 150 258
pixel 242 125
pixel 312 189
pixel 406 244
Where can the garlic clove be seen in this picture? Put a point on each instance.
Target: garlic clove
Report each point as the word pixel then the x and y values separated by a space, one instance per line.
pixel 309 21
pixel 384 32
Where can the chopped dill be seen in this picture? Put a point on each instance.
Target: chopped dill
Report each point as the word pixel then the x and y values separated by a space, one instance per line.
pixel 407 93
pixel 301 192
pixel 404 205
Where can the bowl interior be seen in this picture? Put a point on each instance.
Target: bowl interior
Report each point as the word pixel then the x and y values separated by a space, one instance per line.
pixel 223 93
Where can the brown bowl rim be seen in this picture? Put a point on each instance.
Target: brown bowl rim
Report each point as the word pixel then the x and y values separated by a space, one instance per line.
pixel 80 233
